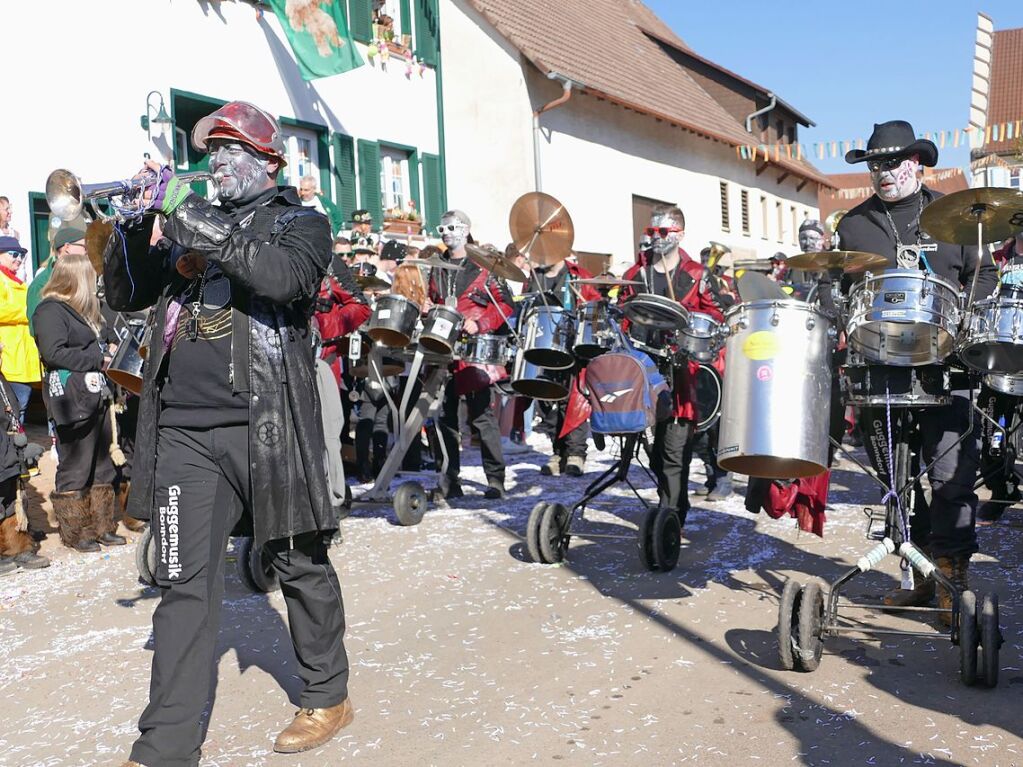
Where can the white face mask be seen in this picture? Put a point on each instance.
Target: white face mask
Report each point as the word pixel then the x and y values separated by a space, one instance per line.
pixel 453 239
pixel 898 183
pixel 669 243
pixel 239 172
pixel 811 241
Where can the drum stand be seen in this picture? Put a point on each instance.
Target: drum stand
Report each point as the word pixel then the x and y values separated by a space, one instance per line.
pixel 806 618
pixel 410 499
pixel 550 525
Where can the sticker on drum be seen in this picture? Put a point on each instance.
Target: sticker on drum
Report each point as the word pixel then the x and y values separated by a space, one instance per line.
pixel 893 313
pixel 727 450
pixel 765 373
pixel 442 327
pixel 761 345
pixel 384 314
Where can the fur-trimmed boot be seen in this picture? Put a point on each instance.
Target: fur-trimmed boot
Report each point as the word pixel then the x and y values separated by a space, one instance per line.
pixel 104 512
pixel 19 546
pixel 73 511
pixel 135 525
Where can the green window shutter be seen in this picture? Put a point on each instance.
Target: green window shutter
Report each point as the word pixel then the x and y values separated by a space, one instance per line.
pixel 369 178
pixel 406 17
pixel 432 205
pixel 360 19
pixel 427 31
pixel 413 180
pixel 344 175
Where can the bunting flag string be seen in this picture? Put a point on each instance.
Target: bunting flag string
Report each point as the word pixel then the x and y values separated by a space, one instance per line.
pixel 1011 130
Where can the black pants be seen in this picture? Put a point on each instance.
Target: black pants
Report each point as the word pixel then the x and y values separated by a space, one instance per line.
pixel 705 447
pixel 202 490
pixel 672 454
pixel 572 444
pixel 127 423
pixel 83 452
pixel 946 521
pixel 482 423
pixel 372 430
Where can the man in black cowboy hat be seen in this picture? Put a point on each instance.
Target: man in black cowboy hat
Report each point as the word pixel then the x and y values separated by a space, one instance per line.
pixel 888 223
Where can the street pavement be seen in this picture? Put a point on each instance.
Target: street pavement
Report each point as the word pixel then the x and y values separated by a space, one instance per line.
pixel 464 652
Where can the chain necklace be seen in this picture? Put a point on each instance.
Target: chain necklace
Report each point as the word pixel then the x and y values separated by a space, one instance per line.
pixel 196 308
pixel 907 256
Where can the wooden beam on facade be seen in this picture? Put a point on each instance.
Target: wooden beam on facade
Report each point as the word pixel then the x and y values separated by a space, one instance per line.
pixel 761 167
pixel 802 183
pixel 783 176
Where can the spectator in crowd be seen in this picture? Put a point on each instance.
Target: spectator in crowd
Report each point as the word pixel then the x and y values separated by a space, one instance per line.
pixel 362 224
pixel 68 326
pixel 20 364
pixel 70 238
pixel 309 193
pixel 343 251
pixel 6 230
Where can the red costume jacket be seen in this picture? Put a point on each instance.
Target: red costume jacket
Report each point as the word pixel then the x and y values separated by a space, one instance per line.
pixel 348 310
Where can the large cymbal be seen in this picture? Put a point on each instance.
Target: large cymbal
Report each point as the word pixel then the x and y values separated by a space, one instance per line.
pixel 432 263
pixel 606 281
pixel 849 261
pixel 541 228
pixel 494 262
pixel 97 238
pixel 953 218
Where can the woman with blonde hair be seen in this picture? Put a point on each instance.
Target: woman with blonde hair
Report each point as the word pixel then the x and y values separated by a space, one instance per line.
pixel 68 323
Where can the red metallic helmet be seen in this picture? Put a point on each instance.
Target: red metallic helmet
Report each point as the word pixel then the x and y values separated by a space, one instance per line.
pixel 243 122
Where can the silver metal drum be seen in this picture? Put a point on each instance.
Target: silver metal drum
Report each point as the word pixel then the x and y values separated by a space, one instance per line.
pixel 702 338
pixel 993 339
pixel 531 380
pixel 486 349
pixel 903 317
pixel 777 390
pixel 1005 383
pixel 548 333
pixel 441 329
pixel 594 334
pixel 393 321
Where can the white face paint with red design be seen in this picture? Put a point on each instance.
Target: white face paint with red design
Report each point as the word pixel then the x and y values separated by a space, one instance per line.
pixel 898 183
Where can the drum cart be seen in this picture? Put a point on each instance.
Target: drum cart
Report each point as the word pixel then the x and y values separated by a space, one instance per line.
pixel 807 616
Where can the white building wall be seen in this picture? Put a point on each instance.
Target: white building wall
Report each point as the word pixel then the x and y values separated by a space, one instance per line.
pixel 87 68
pixel 594 157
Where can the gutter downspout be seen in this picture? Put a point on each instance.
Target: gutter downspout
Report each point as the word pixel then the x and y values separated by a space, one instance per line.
pixel 565 96
pixel 765 110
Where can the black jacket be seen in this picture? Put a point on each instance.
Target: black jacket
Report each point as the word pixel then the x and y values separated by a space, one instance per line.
pixel 866 228
pixel 65 339
pixel 275 260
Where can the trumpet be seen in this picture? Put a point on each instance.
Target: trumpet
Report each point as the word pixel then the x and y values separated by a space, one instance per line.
pixel 66 194
pixel 717 251
pixel 834 218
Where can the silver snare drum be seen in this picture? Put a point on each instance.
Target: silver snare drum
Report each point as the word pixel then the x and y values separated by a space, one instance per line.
pixel 485 349
pixel 993 339
pixel 702 338
pixel 903 317
pixel 1005 383
pixel 547 336
pixel 594 334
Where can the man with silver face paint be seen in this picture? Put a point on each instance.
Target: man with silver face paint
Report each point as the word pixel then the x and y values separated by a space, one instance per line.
pixel 666 270
pixel 230 436
pixel 473 291
pixel 888 223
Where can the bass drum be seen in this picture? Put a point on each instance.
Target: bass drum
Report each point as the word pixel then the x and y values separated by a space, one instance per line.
pixel 709 391
pixel 777 390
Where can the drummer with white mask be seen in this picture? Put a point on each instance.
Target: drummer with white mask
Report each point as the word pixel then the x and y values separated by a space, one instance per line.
pixel 666 270
pixel 888 224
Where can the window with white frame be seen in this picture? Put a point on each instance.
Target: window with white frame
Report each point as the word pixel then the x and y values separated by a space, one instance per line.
pixel 302 155
pixel 394 178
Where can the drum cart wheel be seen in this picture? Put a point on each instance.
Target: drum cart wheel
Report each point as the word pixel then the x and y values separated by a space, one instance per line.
pixel 410 503
pixel 666 539
pixel 533 532
pixel 809 617
pixel 646 541
pixel 255 568
pixel 990 640
pixel 145 557
pixel 553 531
pixel 969 637
pixel 788 626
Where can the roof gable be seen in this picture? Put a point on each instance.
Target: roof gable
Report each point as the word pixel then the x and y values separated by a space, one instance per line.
pixel 1005 100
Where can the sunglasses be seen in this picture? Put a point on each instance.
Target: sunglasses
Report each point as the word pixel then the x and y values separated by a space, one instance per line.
pixel 16 255
pixel 890 164
pixel 662 231
pixel 451 228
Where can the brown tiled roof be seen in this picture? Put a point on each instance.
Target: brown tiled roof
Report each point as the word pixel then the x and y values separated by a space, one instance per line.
pixel 605 46
pixel 1005 98
pixel 944 180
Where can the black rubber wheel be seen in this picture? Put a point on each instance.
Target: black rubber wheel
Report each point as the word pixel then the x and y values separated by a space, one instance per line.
pixel 968 637
pixel 553 533
pixel 533 532
pixel 787 630
pixel 646 541
pixel 145 557
pixel 810 620
pixel 990 640
pixel 667 539
pixel 410 503
pixel 254 568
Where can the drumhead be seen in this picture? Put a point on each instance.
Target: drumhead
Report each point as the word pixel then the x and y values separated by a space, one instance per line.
pixel 708 398
pixel 651 310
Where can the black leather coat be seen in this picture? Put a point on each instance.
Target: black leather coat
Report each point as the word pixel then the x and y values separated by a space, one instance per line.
pixel 275 264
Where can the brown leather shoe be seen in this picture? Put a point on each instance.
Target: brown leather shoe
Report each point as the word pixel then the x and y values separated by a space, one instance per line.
pixel 956 570
pixel 312 727
pixel 921 595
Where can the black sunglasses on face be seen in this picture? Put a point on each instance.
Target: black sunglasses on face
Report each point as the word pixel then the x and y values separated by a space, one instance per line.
pixel 890 164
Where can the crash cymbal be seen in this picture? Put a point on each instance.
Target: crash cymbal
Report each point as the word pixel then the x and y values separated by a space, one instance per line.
pixel 372 282
pixel 849 261
pixel 494 262
pixel 541 228
pixel 97 236
pixel 432 263
pixel 953 218
pixel 606 281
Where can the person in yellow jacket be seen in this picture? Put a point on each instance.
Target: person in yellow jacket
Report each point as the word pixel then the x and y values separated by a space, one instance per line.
pixel 20 359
